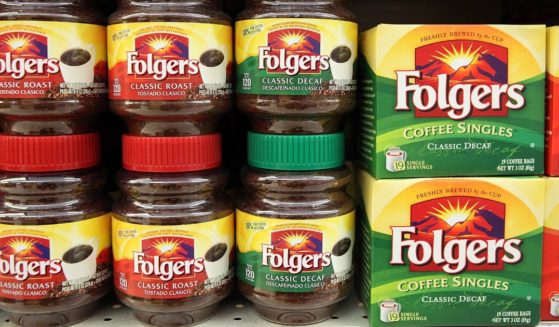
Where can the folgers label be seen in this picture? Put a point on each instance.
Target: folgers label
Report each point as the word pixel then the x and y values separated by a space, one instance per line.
pixel 552 167
pixel 550 279
pixel 296 56
pixel 295 256
pixel 52 261
pixel 55 60
pixel 170 61
pixel 435 250
pixel 436 96
pixel 173 262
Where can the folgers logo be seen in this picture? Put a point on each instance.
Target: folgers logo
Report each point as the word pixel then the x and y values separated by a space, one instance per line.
pixel 23 53
pixel 455 234
pixel 293 51
pixel 459 79
pixel 25 257
pixel 295 251
pixel 161 55
pixel 166 258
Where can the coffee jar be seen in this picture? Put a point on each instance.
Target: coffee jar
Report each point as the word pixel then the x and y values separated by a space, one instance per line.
pixel 173 230
pixel 170 66
pixel 296 65
pixel 55 244
pixel 53 67
pixel 295 227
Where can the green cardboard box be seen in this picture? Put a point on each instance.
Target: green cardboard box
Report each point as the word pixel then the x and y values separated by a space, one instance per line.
pixel 453 100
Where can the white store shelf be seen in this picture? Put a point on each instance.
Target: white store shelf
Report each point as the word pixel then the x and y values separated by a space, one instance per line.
pixel 235 312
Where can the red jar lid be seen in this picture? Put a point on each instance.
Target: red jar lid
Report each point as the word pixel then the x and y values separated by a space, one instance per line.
pixel 171 154
pixel 49 153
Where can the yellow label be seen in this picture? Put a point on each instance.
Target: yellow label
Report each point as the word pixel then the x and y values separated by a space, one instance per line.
pixel 552 204
pixel 295 56
pixel 552 99
pixel 52 60
pixel 294 255
pixel 519 201
pixel 39 262
pixel 553 51
pixel 550 278
pixel 173 261
pixel 170 61
pixel 396 45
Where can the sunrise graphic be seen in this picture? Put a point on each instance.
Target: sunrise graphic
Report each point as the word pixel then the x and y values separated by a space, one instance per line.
pixel 170 248
pixel 455 213
pixel 21 246
pixel 464 61
pixel 26 247
pixel 163 45
pixel 24 44
pixel 160 44
pixel 459 217
pixel 166 247
pixel 18 42
pixel 458 58
pixel 294 41
pixel 297 241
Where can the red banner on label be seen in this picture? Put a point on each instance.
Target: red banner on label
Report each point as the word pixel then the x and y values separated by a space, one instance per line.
pixel 552 126
pixel 34 65
pixel 460 218
pixel 467 64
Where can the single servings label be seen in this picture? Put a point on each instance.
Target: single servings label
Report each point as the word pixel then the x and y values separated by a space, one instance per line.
pixel 290 255
pixel 173 261
pixel 296 56
pixel 52 261
pixel 53 60
pixel 170 61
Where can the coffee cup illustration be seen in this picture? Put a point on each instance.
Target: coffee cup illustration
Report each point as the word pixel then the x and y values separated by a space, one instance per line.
pixel 80 262
pixel 554 305
pixel 393 156
pixel 342 256
pixel 341 65
pixel 213 68
pixel 216 261
pixel 77 66
pixel 389 310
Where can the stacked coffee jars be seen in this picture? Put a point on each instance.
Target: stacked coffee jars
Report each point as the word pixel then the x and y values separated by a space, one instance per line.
pixel 170 69
pixel 55 261
pixel 295 221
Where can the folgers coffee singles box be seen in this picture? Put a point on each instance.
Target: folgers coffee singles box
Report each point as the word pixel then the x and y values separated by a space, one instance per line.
pixel 552 102
pixel 444 248
pixel 550 279
pixel 453 100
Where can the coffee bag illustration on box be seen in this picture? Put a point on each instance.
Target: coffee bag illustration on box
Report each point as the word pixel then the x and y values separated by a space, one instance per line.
pixel 552 153
pixel 550 278
pixel 444 248
pixel 453 100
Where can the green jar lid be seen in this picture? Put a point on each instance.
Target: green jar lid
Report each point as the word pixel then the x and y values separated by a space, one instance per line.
pixel 296 152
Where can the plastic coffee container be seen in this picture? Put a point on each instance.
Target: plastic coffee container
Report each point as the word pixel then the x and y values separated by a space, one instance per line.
pixel 53 67
pixel 173 230
pixel 170 66
pixel 55 244
pixel 295 227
